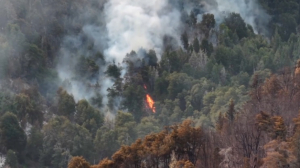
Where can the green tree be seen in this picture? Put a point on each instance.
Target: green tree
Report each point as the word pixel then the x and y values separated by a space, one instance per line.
pixel 6 102
pixel 230 113
pixel 236 24
pixel 113 71
pixel 86 67
pixel 160 86
pixel 193 18
pixel 28 110
pixel 66 104
pixel 177 83
pixel 226 36
pixel 106 142
pixel 196 45
pixel 34 144
pixel 125 127
pixel 82 144
pixel 57 141
pixel 241 79
pixel 222 55
pixel 134 97
pixel 33 62
pixel 62 140
pixel 176 115
pixel 88 117
pixel 208 22
pixel 152 58
pixel 97 100
pixel 166 109
pixel 207 47
pixel 170 62
pixel 11 159
pixel 185 41
pixel 147 125
pixel 198 91
pixel 12 135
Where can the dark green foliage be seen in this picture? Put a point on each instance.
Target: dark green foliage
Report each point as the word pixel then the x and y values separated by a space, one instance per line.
pixel 208 22
pixel 147 125
pixel 223 55
pixel 6 102
pixel 177 83
pixel 207 47
pixel 97 100
pixel 125 125
pixel 168 43
pixel 3 65
pixel 88 117
pixel 196 45
pixel 106 142
pixel 152 58
pixel 98 56
pixel 198 91
pixel 237 25
pixel 12 135
pixel 33 62
pixel 48 82
pixel 133 101
pixel 241 79
pixel 113 71
pixel 188 69
pixel 170 62
pixel 66 104
pixel 35 144
pixel 227 37
pixel 160 87
pixel 193 19
pixel 82 144
pixel 11 159
pixel 28 108
pixel 231 59
pixel 62 139
pixel 114 93
pixel 185 41
pixel 288 26
pixel 230 113
pixel 86 67
pixel 285 16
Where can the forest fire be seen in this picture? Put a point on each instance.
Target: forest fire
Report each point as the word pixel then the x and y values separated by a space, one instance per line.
pixel 150 102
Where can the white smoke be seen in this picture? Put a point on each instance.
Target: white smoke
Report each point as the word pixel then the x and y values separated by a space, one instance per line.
pixel 250 10
pixel 133 24
pixel 128 25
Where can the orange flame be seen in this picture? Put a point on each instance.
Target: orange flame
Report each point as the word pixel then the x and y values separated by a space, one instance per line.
pixel 150 102
pixel 145 87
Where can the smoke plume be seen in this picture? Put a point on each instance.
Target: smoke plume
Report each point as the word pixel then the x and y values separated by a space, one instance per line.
pixel 127 25
pixel 250 11
pixel 123 26
pixel 132 24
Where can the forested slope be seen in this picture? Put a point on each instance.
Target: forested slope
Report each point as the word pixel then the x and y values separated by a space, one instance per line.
pixel 197 83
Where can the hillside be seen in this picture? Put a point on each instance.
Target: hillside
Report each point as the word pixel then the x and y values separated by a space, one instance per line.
pixel 163 83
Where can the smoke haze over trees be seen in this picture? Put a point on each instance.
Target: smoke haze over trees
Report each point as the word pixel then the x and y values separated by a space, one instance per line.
pixel 163 83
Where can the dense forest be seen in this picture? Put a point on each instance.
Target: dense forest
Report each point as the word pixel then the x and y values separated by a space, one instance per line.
pixel 149 84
